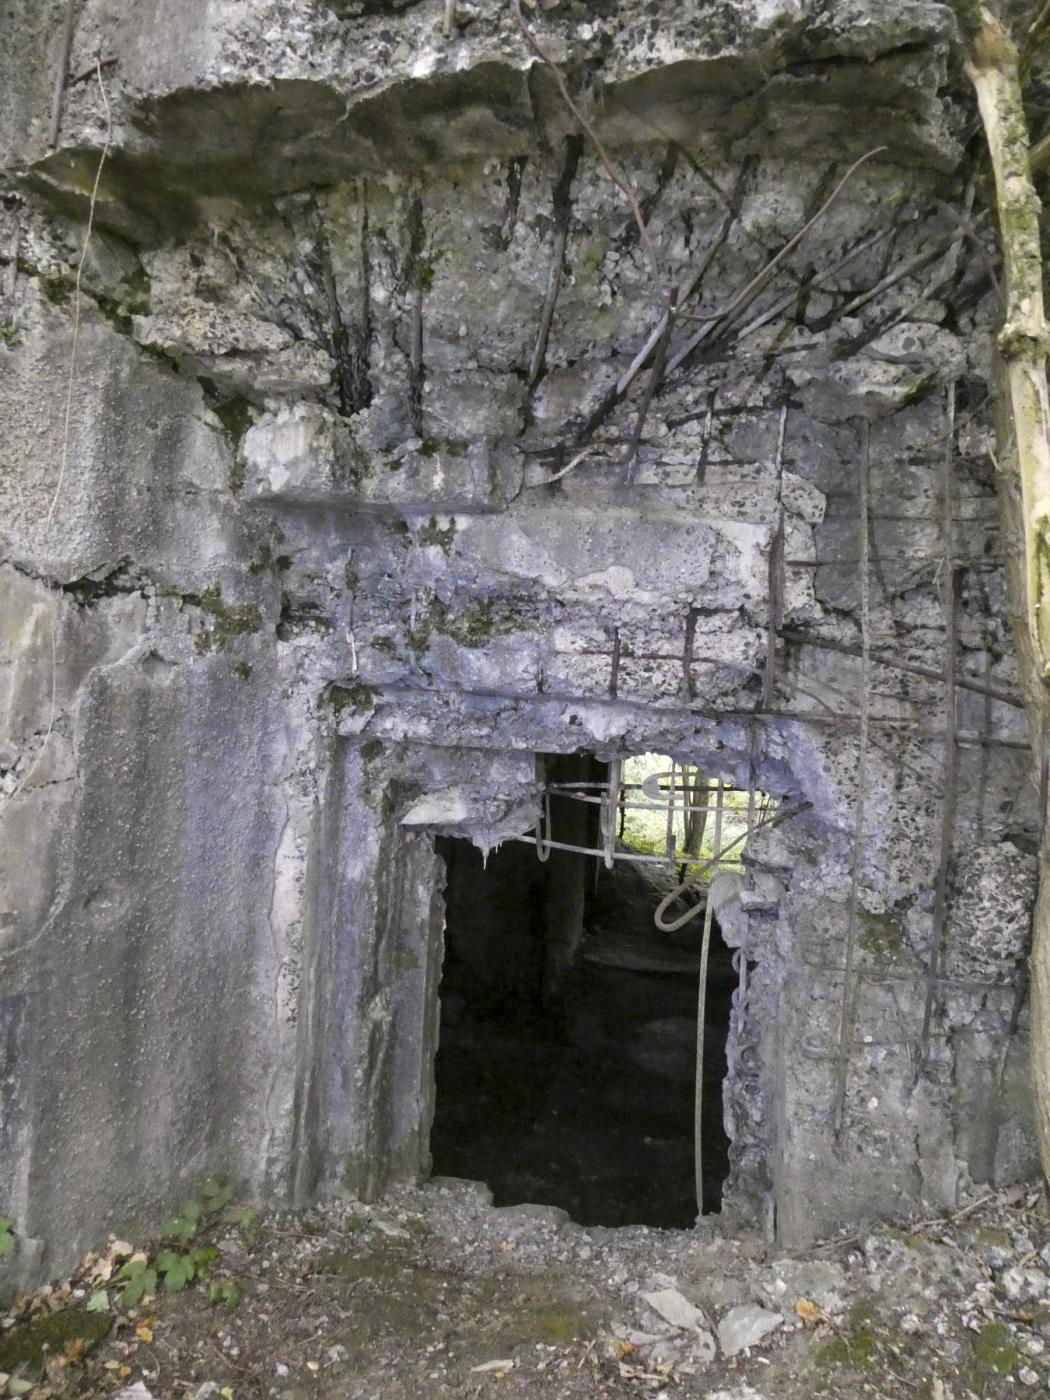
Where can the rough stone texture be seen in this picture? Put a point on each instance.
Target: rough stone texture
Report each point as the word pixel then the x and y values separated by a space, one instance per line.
pixel 745 1327
pixel 312 600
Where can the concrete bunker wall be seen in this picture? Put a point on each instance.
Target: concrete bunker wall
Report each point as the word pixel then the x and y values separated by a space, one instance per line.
pixel 314 596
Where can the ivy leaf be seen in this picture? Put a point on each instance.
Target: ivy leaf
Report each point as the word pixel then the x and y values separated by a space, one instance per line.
pixel 215 1194
pixel 98 1302
pixel 141 1280
pixel 224 1293
pixel 179 1272
pixel 179 1227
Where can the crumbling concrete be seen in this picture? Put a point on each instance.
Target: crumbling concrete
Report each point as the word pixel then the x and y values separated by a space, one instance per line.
pixel 311 598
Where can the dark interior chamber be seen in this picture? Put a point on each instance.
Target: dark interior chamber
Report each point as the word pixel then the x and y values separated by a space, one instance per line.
pixel 566 1064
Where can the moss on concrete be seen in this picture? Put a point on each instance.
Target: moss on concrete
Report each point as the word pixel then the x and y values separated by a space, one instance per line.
pixel 470 624
pixel 441 535
pixel 230 621
pixel 993 1353
pixel 856 1344
pixel 880 935
pixel 267 562
pixel 358 698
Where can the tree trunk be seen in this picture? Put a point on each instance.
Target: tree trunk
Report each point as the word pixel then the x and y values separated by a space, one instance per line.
pixel 1023 445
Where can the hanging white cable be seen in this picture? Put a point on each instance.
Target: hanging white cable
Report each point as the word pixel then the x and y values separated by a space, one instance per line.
pixel 701 1010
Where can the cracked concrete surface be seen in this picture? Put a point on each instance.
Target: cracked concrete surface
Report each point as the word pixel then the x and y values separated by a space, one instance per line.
pixel 356 291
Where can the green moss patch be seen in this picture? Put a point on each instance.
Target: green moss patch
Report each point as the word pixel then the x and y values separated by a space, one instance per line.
pixel 230 621
pixel 28 1345
pixel 357 698
pixel 856 1345
pixel 994 1352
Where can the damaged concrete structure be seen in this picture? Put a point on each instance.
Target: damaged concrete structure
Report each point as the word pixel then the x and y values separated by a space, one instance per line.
pixel 356 511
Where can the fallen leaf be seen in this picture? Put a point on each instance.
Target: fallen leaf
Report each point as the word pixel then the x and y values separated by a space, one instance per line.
pixel 488 1367
pixel 144 1333
pixel 74 1349
pixel 626 1349
pixel 808 1311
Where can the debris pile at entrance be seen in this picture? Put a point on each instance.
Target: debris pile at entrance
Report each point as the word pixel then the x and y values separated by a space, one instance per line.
pixel 435 1292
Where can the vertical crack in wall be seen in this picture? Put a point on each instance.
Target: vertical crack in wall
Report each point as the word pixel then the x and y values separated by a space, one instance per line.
pixel 350 344
pixel 415 280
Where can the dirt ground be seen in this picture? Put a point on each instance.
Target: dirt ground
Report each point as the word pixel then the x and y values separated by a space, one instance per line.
pixel 434 1292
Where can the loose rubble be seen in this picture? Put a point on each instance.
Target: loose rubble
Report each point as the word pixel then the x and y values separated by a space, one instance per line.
pixel 434 1291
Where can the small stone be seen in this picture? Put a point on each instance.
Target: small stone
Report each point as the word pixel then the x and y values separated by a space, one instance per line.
pixel 910 1323
pixel 1032 1346
pixel 530 1214
pixel 675 1308
pixel 280 1369
pixel 337 1352
pixel 822 1283
pixel 130 1392
pixel 638 1338
pixel 746 1326
pixel 1022 1284
pixel 208 1391
pixel 1027 1376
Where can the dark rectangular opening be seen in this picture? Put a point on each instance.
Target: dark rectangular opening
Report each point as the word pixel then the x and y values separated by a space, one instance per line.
pixel 566 1066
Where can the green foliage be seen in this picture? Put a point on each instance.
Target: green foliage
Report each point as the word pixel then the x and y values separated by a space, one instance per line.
pixel 10 335
pixel 223 1293
pixel 139 1279
pixel 184 1225
pixel 185 1259
pixel 180 1267
pixel 7 1238
pixel 244 1217
pixel 216 1196
pixel 98 1302
pixel 646 830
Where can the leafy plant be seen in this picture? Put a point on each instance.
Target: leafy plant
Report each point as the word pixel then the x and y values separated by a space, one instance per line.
pixel 244 1217
pixel 7 1238
pixel 224 1292
pixel 185 1259
pixel 184 1225
pixel 180 1267
pixel 139 1279
pixel 215 1195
